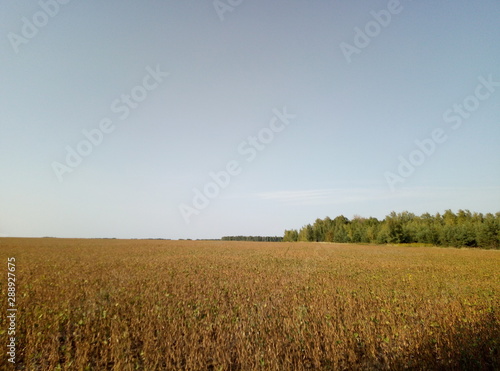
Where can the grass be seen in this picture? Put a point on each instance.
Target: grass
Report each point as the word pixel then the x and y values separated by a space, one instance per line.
pixel 211 305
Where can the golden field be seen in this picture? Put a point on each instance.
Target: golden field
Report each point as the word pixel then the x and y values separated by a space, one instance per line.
pixel 212 305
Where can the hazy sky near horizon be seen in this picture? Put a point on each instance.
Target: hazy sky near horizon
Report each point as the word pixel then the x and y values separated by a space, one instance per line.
pixel 113 114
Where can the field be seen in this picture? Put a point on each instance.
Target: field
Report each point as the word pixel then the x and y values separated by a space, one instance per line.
pixel 211 305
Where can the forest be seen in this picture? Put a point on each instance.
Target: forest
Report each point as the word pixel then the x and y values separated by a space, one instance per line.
pixel 461 229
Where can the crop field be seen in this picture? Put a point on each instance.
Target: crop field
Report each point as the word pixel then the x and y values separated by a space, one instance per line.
pixel 212 305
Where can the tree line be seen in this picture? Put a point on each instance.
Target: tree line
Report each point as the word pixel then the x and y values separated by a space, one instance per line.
pixel 463 229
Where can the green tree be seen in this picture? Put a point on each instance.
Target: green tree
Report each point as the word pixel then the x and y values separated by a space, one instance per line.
pixel 450 229
pixel 291 235
pixel 306 233
pixel 489 231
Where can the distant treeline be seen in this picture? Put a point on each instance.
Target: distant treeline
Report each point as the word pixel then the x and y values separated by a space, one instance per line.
pixel 252 238
pixel 463 229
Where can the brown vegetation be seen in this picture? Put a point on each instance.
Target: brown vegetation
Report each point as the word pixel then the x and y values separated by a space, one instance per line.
pixel 212 305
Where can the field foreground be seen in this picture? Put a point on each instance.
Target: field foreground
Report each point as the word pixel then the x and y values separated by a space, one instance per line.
pixel 211 305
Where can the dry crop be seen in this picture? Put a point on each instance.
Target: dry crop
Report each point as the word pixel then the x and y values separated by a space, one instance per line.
pixel 212 305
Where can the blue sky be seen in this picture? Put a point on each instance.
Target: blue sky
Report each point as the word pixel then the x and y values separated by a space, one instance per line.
pixel 178 89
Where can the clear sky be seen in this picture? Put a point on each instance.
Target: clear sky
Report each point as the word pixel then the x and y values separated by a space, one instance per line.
pixel 114 113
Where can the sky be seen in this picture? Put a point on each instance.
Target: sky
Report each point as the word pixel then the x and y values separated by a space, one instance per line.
pixel 202 119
